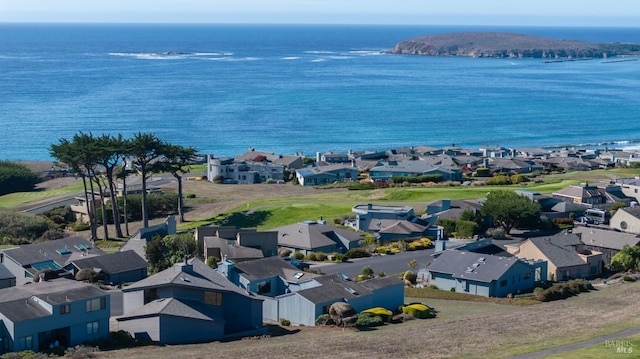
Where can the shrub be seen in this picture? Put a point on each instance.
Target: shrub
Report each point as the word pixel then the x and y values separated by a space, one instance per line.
pixel 324 319
pixel 428 243
pixel 433 286
pixel 452 289
pixel 449 225
pixel 419 311
pixel 627 278
pixel 339 257
pixel 359 186
pixel 366 321
pixel 382 250
pixel 499 180
pixel 311 256
pixel 410 277
pixel 357 253
pixel 285 322
pixel 367 271
pixel 88 275
pixel 81 352
pixel 466 229
pixel 213 262
pixel 191 195
pixel 321 257
pixel 284 252
pixel 564 290
pixel 298 255
pixel 383 313
pixel 482 172
pixel 496 233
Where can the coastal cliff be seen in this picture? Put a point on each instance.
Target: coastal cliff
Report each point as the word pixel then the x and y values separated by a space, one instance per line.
pixel 508 45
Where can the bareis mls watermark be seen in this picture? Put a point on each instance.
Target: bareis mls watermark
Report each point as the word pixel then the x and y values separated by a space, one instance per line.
pixel 620 346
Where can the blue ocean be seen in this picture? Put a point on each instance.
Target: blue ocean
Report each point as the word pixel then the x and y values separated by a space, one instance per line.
pixel 302 88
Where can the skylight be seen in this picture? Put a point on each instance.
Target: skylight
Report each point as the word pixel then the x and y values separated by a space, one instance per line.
pixel 351 290
pixel 298 275
pixel 63 251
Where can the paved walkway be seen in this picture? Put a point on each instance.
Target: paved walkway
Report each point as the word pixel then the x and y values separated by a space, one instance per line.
pixel 565 348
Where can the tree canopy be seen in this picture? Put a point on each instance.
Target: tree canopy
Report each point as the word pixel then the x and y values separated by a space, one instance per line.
pixel 627 259
pixel 15 177
pixel 509 209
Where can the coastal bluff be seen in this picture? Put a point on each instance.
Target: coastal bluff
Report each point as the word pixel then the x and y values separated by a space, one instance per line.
pixel 509 45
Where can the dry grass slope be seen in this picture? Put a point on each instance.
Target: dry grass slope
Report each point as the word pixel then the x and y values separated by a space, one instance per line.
pixel 462 329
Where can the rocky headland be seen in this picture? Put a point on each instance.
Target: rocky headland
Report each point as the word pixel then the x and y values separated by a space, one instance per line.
pixel 508 45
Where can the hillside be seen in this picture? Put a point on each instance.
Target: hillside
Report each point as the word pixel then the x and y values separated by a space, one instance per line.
pixel 501 45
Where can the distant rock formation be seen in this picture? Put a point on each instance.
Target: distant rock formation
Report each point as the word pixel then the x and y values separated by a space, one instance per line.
pixel 508 45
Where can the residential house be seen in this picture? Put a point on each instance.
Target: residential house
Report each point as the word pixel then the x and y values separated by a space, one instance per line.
pixel 53 313
pixel 264 241
pixel 626 220
pixel 193 297
pixel 331 157
pixel 115 268
pixel 623 158
pixel 321 175
pixel 228 170
pixel 317 236
pixel 368 213
pixel 565 253
pixel 607 242
pixel 7 279
pixel 289 162
pixel 581 193
pixel 391 229
pixel 512 165
pixel 138 241
pixel 481 274
pixel 27 260
pixel 221 248
pixel 301 297
pixel 450 209
pixel 384 171
pixel 630 187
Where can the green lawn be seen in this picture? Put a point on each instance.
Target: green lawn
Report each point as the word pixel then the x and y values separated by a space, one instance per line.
pixel 16 199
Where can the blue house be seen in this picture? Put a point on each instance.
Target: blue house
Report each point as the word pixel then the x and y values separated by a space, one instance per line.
pixel 321 175
pixel 193 297
pixel 482 274
pixel 384 170
pixel 60 312
pixel 301 296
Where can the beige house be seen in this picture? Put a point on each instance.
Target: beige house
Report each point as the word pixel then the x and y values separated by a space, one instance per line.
pixel 626 220
pixel 565 254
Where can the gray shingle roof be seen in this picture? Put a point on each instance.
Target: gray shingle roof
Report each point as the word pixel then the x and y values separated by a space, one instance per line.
pixel 560 249
pixel 472 266
pixel 232 250
pixel 312 235
pixel 269 267
pixel 635 211
pixel 174 307
pixel 606 239
pixel 195 275
pixel 392 226
pixel 334 287
pixel 51 250
pixel 113 263
pixel 18 304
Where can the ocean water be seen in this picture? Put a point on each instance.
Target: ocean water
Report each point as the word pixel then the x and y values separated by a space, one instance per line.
pixel 294 88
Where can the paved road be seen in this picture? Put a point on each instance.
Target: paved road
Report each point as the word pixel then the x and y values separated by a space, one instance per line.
pixel 69 199
pixel 604 340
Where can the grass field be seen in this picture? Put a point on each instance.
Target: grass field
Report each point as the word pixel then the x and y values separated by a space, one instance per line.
pixel 462 329
pixel 16 199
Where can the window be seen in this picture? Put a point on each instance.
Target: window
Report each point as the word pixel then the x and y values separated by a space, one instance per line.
pixel 213 298
pixel 527 276
pixel 96 304
pixel 93 328
pixel 503 283
pixel 264 287
pixel 623 225
pixel 65 309
pixel 26 342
